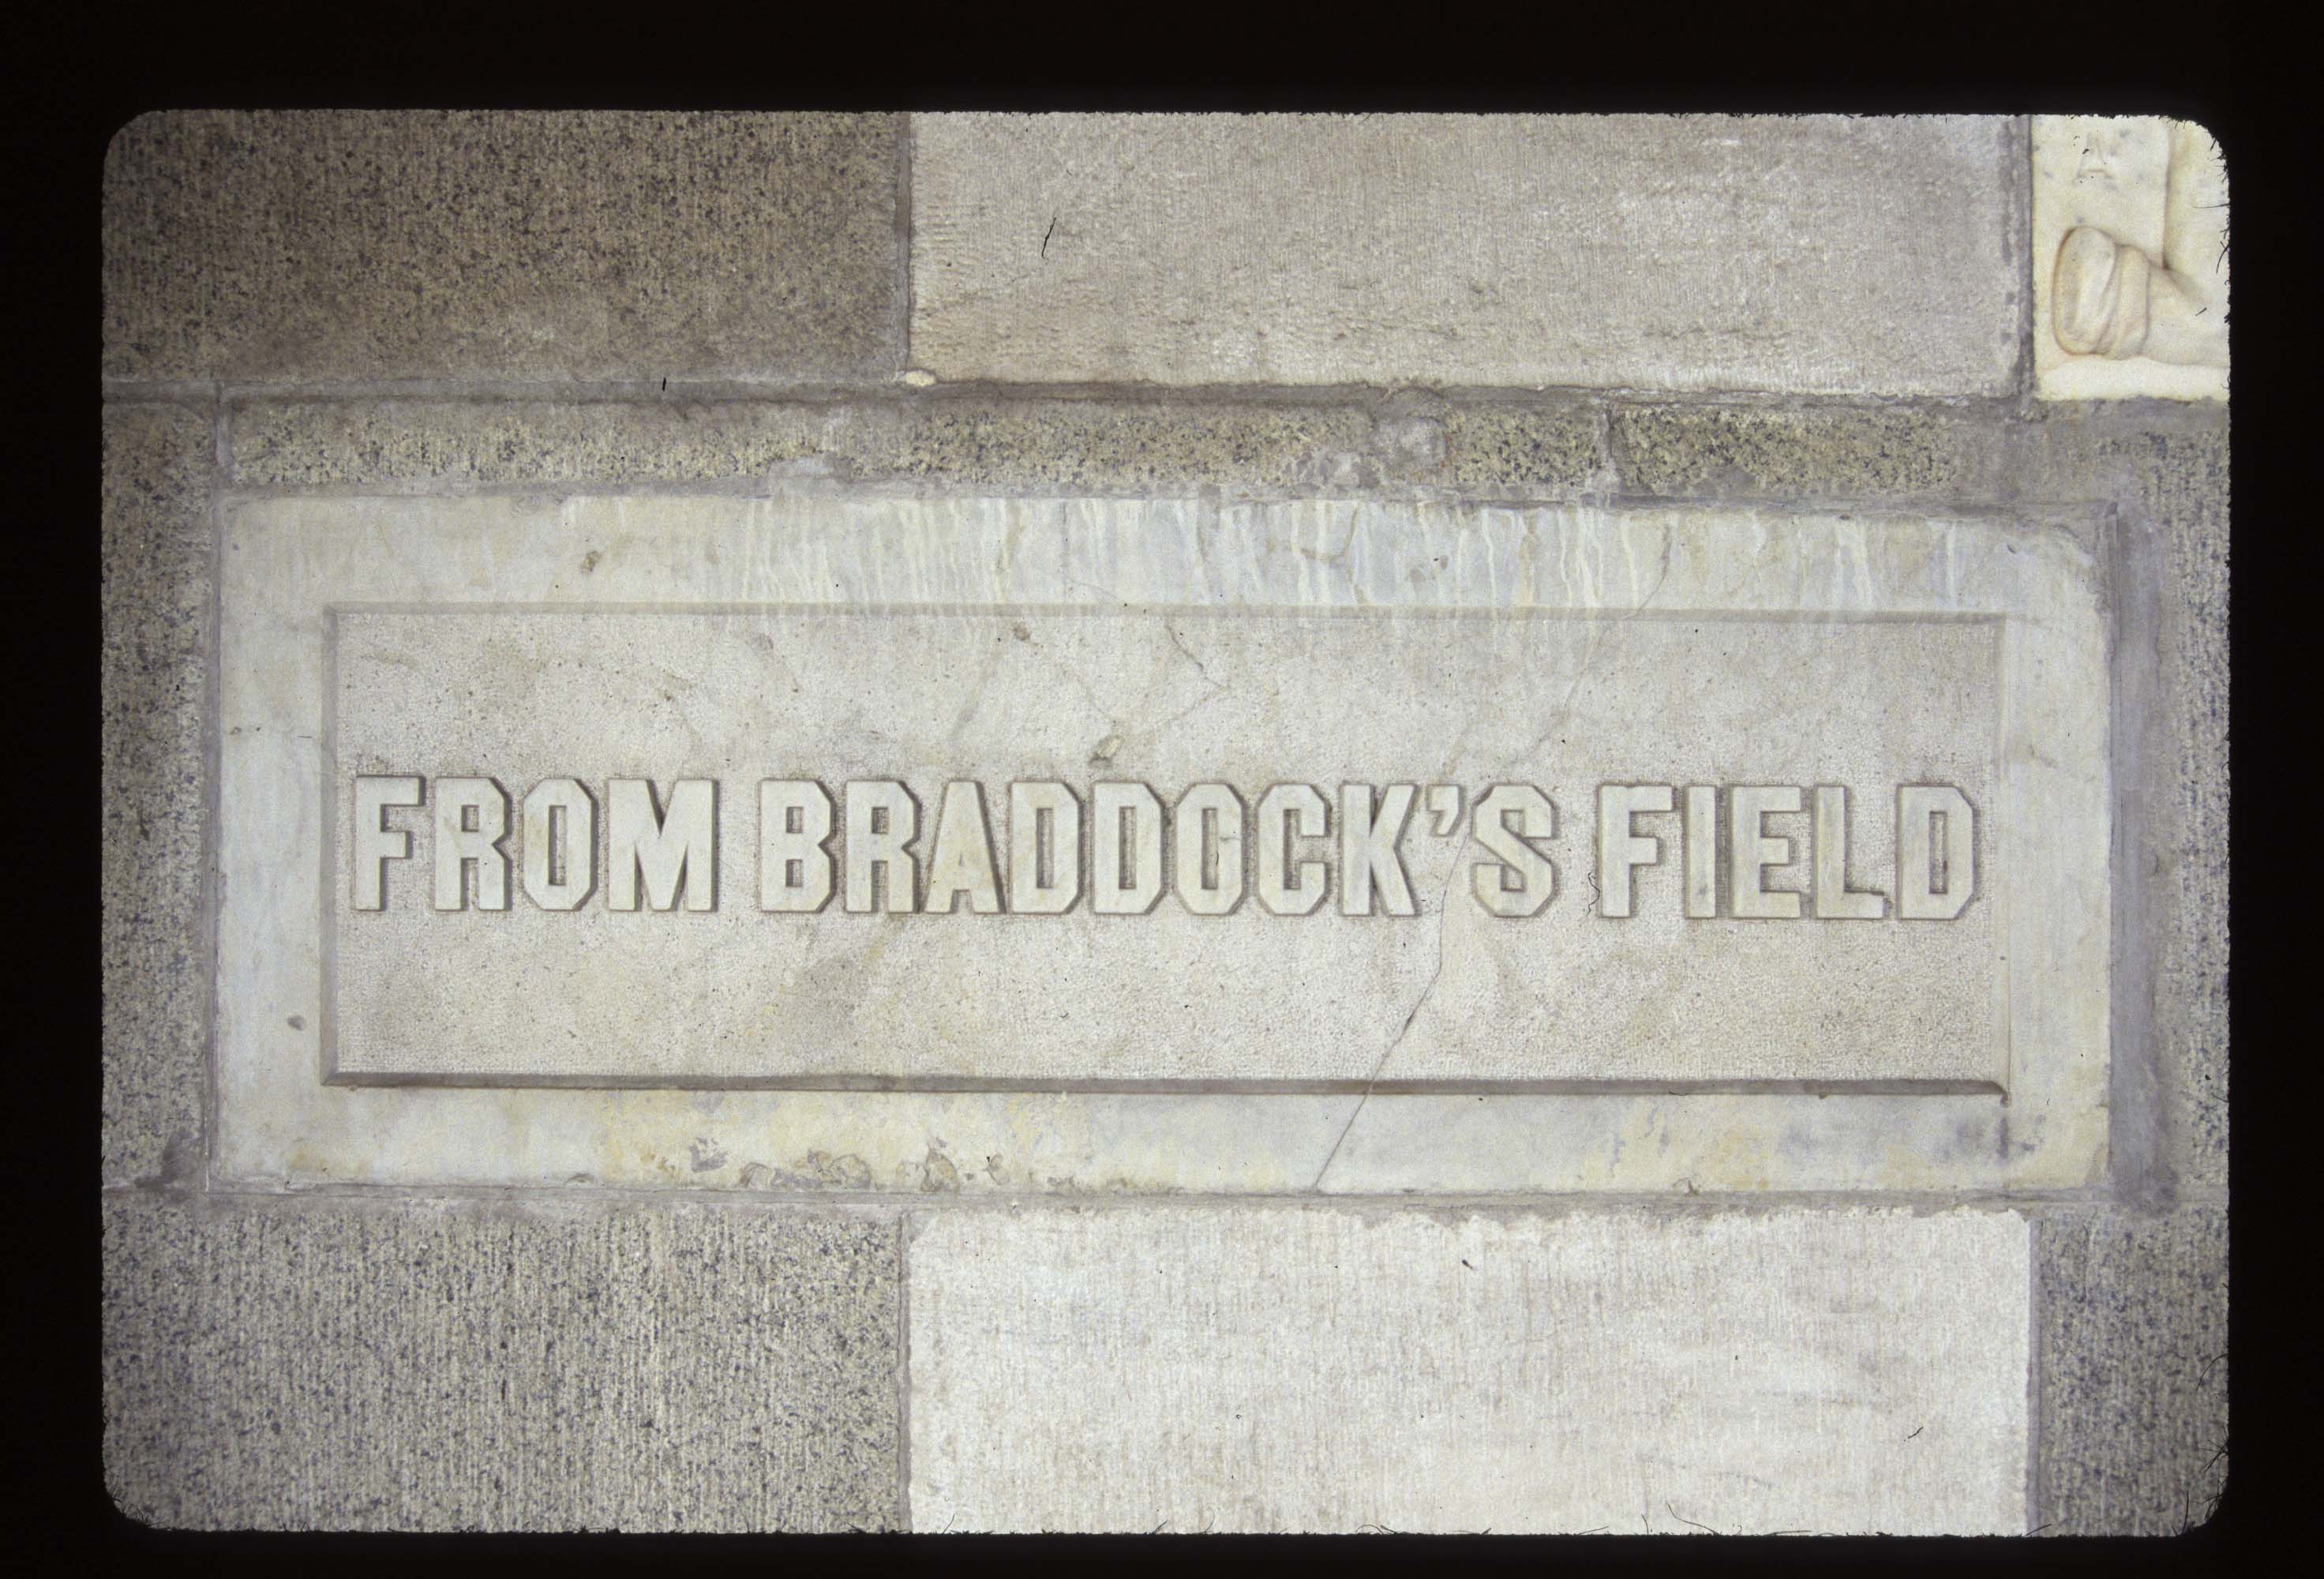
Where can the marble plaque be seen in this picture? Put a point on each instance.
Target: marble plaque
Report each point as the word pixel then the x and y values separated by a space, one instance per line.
pixel 1158 843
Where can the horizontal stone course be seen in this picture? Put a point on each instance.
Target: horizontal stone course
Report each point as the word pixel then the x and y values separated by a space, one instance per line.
pixel 1113 447
pixel 421 444
pixel 1100 447
pixel 359 245
pixel 332 1365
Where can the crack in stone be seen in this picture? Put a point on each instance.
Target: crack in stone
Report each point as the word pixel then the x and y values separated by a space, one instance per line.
pixel 1444 919
pixel 1180 643
pixel 975 698
pixel 1444 901
pixel 1588 652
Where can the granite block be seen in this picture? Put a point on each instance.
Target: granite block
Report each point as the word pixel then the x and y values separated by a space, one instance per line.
pixel 428 245
pixel 153 682
pixel 545 1365
pixel 2132 1352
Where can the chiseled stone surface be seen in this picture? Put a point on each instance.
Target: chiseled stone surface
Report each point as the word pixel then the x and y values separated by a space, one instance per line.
pixel 154 687
pixel 2169 469
pixel 348 244
pixel 2132 1358
pixel 563 1364
pixel 1793 253
pixel 1844 1371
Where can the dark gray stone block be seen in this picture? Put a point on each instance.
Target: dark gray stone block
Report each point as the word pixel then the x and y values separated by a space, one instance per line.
pixel 301 1364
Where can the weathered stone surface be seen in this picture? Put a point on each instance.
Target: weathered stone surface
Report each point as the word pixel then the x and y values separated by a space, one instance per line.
pixel 1800 254
pixel 1321 1371
pixel 562 1365
pixel 1092 641
pixel 154 687
pixel 2132 1360
pixel 422 244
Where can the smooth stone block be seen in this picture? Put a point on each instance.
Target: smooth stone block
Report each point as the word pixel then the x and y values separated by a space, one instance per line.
pixel 2133 1367
pixel 154 687
pixel 1312 1369
pixel 365 245
pixel 497 775
pixel 556 1365
pixel 1807 253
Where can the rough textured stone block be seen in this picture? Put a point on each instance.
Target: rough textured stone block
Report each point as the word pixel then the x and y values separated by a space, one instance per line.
pixel 390 444
pixel 1557 448
pixel 1074 445
pixel 2133 1367
pixel 1082 445
pixel 154 683
pixel 1306 1370
pixel 1699 451
pixel 419 245
pixel 1799 253
pixel 306 1364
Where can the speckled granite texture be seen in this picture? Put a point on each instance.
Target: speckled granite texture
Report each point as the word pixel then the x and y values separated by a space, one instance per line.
pixel 560 1366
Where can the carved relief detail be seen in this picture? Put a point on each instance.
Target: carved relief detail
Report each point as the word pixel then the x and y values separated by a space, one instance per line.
pixel 2130 234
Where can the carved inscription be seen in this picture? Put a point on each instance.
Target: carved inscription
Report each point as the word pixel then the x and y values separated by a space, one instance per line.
pixel 1023 847
pixel 1210 846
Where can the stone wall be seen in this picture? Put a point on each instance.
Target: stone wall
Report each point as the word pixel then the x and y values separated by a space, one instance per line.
pixel 1738 315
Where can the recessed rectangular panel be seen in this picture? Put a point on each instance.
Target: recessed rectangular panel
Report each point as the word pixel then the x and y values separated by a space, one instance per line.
pixel 1305 798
